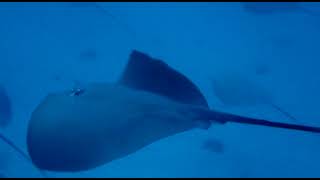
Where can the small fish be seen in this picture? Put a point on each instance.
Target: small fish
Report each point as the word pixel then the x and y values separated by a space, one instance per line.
pixel 89 54
pixel 262 69
pixel 213 145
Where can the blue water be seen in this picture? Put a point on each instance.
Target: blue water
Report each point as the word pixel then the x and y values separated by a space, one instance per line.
pixel 45 47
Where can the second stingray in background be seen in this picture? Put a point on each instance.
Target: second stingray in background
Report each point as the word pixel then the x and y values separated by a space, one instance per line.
pixel 236 90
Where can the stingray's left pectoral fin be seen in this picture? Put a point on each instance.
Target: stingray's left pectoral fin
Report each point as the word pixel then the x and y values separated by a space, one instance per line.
pixel 146 73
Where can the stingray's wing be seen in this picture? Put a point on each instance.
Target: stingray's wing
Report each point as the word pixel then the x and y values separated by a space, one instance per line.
pixel 146 73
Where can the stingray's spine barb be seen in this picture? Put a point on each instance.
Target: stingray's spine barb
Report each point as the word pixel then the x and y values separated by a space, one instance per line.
pixel 282 111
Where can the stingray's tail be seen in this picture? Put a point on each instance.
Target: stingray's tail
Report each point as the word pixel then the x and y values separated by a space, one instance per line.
pixel 23 154
pixel 222 117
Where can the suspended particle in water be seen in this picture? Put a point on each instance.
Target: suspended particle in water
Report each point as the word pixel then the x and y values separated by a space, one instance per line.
pixel 213 145
pixel 89 54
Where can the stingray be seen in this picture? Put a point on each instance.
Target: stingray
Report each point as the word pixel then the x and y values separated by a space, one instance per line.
pixel 265 8
pixel 83 128
pixel 236 90
pixel 5 108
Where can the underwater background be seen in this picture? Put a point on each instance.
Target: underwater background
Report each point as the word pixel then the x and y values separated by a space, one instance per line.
pixel 247 59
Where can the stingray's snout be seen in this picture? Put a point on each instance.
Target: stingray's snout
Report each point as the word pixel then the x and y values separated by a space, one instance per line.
pixel 56 127
pixel 44 131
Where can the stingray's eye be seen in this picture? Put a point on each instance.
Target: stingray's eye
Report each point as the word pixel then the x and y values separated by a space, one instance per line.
pixel 76 92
